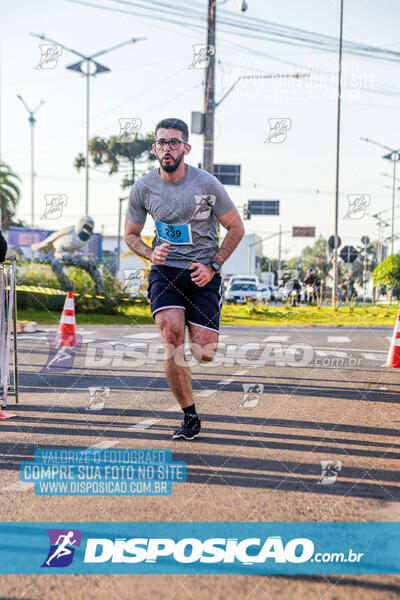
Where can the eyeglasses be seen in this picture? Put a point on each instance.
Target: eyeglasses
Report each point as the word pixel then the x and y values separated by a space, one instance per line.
pixel 174 143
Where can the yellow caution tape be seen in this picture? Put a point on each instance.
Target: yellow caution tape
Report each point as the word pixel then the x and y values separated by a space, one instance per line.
pixel 40 290
pixel 53 292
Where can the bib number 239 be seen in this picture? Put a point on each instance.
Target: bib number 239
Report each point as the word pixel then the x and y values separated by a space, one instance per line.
pixel 174 234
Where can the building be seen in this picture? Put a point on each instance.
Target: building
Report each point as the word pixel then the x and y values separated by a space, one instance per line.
pixel 247 257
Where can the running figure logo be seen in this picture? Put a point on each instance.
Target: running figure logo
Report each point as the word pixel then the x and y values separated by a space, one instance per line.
pixel 128 129
pixel 98 397
pixel 278 129
pixel 55 204
pixel 50 53
pixel 60 358
pixel 202 56
pixel 330 470
pixel 62 542
pixel 358 204
pixel 251 394
pixel 204 204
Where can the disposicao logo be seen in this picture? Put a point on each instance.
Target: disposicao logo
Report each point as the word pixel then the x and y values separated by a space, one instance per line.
pixel 62 542
pixel 190 550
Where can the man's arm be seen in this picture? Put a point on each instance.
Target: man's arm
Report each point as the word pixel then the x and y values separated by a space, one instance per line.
pixel 137 245
pixel 234 225
pixel 231 220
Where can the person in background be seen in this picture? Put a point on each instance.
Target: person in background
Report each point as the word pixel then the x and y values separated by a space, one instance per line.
pixel 3 248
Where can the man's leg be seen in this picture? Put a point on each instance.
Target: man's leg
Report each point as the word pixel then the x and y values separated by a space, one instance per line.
pixel 203 342
pixel 171 323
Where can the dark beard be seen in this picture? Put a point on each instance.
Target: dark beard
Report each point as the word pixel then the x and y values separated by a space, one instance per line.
pixel 174 166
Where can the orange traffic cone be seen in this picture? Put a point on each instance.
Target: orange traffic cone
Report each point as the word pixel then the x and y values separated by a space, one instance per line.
pixel 66 335
pixel 393 359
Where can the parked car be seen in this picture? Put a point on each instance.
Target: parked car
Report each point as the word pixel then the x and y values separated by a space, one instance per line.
pixel 240 292
pixel 266 293
pixel 244 278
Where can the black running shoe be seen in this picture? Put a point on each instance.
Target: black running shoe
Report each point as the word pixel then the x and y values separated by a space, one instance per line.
pixel 189 429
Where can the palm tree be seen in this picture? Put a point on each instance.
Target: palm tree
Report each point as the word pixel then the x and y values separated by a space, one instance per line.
pixel 10 194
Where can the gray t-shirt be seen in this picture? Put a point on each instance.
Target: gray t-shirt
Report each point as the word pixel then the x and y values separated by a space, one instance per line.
pixel 198 200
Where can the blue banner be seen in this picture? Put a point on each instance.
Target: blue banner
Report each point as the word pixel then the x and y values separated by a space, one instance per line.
pixel 249 548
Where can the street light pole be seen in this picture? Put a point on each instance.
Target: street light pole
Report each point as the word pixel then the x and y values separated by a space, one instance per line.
pixel 87 138
pixel 99 68
pixel 339 98
pixel 32 122
pixel 394 156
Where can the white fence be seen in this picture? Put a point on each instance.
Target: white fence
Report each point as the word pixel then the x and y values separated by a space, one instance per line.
pixel 8 322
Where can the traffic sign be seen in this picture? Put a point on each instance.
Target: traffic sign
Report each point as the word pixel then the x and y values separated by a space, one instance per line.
pixel 348 254
pixel 303 231
pixel 227 174
pixel 365 240
pixel 263 207
pixel 331 242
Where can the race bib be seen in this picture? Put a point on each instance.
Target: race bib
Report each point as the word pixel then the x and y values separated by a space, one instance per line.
pixel 174 234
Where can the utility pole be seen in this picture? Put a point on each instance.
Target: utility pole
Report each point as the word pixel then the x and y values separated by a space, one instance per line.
pixel 209 92
pixel 339 98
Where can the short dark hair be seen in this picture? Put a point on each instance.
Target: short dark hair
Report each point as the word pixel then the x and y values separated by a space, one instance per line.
pixel 173 123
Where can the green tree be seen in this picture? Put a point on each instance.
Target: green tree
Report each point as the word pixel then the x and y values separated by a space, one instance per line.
pixel 10 194
pixel 388 272
pixel 316 256
pixel 117 156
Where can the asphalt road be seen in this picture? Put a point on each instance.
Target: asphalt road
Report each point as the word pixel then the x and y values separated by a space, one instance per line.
pixel 316 394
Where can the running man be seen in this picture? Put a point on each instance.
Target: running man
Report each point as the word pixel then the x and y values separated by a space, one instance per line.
pixel 62 549
pixel 184 286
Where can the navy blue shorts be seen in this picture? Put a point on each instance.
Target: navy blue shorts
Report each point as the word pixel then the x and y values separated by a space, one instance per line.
pixel 172 287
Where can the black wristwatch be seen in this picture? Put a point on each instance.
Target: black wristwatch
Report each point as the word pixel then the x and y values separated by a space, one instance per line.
pixel 216 266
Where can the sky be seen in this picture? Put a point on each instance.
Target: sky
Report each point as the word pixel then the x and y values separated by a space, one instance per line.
pixel 151 80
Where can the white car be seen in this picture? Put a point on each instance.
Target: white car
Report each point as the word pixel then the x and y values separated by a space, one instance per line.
pixel 244 279
pixel 240 292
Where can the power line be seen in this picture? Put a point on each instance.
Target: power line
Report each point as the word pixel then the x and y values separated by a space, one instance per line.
pixel 231 24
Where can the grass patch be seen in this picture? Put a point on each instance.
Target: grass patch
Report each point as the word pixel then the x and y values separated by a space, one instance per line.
pixel 372 314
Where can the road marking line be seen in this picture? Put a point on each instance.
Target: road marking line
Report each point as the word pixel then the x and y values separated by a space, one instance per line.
pixel 338 338
pixel 84 332
pixel 336 353
pixel 370 356
pixel 240 373
pixel 276 338
pixel 29 336
pixel 350 349
pixel 146 335
pixel 104 444
pixel 206 393
pixel 20 486
pixel 144 424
